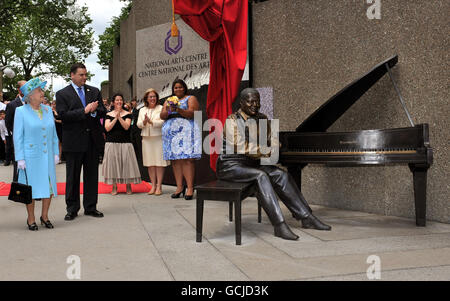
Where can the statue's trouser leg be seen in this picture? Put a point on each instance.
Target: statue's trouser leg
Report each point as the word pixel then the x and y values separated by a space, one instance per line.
pixel 239 171
pixel 288 191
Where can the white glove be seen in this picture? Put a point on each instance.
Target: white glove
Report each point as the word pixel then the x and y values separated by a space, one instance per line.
pixel 21 164
pixel 56 159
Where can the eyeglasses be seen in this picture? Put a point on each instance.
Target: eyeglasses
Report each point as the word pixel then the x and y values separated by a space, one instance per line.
pixel 152 97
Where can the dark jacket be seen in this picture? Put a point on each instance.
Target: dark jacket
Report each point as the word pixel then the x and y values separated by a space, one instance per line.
pixel 10 113
pixel 78 127
pixel 134 127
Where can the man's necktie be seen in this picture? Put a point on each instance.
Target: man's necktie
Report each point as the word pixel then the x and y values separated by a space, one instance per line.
pixel 81 94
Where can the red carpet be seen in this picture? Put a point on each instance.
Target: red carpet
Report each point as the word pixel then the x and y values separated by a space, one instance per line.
pixel 102 188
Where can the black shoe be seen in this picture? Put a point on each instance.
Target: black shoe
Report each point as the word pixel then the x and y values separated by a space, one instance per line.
pixel 312 222
pixel 70 216
pixel 32 227
pixel 94 213
pixel 178 195
pixel 6 164
pixel 189 197
pixel 47 224
pixel 282 230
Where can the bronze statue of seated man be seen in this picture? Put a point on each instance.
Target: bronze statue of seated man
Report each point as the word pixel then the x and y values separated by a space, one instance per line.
pixel 241 161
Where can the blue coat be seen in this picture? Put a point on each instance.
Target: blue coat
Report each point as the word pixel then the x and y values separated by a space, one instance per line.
pixel 36 142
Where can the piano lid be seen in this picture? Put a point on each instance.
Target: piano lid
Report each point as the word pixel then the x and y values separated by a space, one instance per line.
pixel 329 112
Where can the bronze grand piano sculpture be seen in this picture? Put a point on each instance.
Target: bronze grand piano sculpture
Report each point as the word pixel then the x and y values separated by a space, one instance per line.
pixel 311 144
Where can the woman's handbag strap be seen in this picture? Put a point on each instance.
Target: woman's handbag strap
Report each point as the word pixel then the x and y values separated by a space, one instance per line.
pixel 26 177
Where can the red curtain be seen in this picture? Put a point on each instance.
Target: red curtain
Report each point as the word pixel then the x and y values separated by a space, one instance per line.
pixel 224 24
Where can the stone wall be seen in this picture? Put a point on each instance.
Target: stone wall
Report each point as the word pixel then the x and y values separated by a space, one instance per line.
pixel 128 56
pixel 111 77
pixel 117 70
pixel 143 14
pixel 105 91
pixel 309 50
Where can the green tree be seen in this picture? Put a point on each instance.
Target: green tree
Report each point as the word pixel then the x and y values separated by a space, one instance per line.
pixel 9 12
pixel 9 9
pixel 47 38
pixel 111 36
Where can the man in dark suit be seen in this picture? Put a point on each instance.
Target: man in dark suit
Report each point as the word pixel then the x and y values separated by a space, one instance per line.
pixel 135 132
pixel 9 122
pixel 80 108
pixel 136 139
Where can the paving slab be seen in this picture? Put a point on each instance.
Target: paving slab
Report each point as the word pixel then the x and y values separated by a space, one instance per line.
pixel 152 238
pixel 175 240
pixel 109 248
pixel 345 228
pixel 440 273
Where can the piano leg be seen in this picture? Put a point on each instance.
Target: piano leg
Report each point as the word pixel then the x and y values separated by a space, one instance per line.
pixel 420 192
pixel 296 172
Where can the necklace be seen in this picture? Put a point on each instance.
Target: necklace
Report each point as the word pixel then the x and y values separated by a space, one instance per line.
pixel 38 112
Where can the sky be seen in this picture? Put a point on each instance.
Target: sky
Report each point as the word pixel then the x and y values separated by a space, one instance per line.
pixel 101 13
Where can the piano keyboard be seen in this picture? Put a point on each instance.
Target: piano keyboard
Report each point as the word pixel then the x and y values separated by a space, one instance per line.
pixel 350 152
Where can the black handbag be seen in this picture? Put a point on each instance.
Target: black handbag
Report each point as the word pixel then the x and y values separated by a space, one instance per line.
pixel 21 193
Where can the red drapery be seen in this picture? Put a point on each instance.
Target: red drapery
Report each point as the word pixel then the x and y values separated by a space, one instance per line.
pixel 224 24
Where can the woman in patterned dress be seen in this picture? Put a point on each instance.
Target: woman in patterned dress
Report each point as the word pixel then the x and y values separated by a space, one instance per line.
pixel 181 138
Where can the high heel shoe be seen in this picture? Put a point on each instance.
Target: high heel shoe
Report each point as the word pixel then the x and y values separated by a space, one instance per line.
pixel 129 190
pixel 32 227
pixel 189 197
pixel 47 224
pixel 114 190
pixel 178 195
pixel 158 192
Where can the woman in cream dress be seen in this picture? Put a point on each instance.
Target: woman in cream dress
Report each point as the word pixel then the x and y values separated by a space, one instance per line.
pixel 152 151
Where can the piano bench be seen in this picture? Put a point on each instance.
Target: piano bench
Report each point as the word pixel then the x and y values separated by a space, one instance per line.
pixel 230 192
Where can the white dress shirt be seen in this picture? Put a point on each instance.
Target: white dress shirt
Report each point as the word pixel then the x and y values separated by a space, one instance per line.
pixel 3 130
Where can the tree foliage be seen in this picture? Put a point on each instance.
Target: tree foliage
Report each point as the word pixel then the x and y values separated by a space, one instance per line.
pixel 9 12
pixel 46 37
pixel 111 36
pixel 9 9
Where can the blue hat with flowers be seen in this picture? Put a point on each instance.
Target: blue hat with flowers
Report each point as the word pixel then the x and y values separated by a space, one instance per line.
pixel 32 84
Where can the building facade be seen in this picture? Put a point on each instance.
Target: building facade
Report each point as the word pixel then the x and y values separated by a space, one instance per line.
pixel 306 51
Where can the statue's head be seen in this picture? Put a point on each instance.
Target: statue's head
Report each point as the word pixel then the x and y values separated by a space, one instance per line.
pixel 250 101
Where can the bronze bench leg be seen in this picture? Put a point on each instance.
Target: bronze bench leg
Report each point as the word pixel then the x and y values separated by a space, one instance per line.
pixel 200 203
pixel 259 212
pixel 237 217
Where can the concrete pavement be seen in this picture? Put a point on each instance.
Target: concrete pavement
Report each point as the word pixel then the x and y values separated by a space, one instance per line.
pixel 146 237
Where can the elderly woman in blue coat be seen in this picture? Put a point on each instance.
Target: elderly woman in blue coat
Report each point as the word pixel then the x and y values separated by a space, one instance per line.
pixel 36 149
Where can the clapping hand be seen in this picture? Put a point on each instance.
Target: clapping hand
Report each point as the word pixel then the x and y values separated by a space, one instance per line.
pixel 88 108
pixel 147 120
pixel 91 107
pixel 94 106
